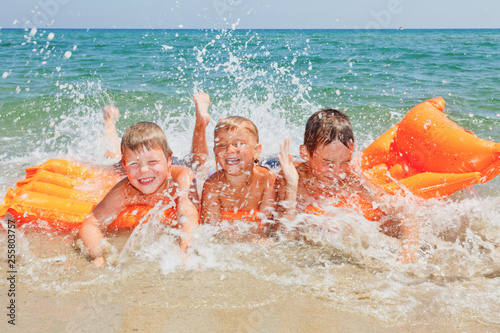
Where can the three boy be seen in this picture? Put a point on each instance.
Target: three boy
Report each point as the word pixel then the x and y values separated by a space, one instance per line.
pixel 319 181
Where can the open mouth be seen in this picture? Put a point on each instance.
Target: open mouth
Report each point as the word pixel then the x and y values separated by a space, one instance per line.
pixel 146 181
pixel 232 161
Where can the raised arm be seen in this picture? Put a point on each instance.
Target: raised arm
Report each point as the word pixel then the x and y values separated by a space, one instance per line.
pixel 268 203
pixel 287 184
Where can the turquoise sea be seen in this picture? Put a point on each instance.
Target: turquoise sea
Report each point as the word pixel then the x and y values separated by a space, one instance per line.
pixel 55 83
pixel 284 75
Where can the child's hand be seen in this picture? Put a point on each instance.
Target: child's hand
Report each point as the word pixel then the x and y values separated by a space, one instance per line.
pixel 407 256
pixel 99 261
pixel 202 101
pixel 287 166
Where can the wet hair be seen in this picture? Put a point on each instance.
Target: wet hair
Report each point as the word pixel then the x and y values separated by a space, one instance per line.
pixel 145 136
pixel 326 126
pixel 235 122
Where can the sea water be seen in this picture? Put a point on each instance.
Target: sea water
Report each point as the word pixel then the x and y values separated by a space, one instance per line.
pixel 55 84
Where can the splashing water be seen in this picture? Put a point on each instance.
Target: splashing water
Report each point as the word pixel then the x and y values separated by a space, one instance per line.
pixel 52 107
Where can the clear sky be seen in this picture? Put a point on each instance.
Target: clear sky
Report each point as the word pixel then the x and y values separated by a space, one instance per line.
pixel 251 14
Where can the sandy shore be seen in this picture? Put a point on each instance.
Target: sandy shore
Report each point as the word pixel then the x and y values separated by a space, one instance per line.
pixel 197 302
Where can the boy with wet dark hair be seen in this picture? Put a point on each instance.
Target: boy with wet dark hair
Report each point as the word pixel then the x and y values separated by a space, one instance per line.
pixel 325 178
pixel 326 126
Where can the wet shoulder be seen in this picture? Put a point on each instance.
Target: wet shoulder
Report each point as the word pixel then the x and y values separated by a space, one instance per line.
pixel 123 193
pixel 264 173
pixel 179 172
pixel 216 178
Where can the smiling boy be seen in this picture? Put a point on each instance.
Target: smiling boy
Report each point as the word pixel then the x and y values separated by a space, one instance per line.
pixel 241 184
pixel 151 178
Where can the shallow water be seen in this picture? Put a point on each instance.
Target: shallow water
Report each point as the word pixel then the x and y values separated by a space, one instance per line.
pixel 353 270
pixel 52 107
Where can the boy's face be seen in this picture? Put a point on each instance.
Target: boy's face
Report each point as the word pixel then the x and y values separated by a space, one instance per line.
pixel 147 170
pixel 329 162
pixel 236 151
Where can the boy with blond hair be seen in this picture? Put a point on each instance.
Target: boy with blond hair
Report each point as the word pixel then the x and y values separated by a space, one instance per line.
pixel 151 179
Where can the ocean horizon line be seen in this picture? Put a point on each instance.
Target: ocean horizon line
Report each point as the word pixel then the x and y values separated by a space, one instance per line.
pixel 263 29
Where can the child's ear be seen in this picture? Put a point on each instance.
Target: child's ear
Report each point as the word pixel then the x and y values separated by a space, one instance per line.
pixel 304 153
pixel 258 150
pixel 169 161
